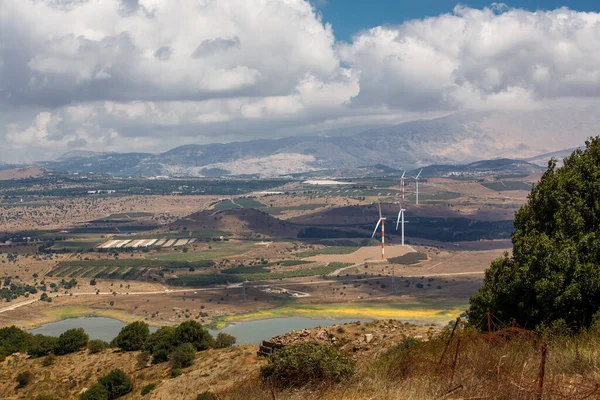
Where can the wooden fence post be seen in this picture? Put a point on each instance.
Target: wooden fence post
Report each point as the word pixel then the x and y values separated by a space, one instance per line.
pixel 449 339
pixel 455 360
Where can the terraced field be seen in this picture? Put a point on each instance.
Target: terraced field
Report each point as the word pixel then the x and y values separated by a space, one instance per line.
pixel 121 269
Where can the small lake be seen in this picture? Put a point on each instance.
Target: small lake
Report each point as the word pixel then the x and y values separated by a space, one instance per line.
pixel 96 327
pixel 254 332
pixel 247 332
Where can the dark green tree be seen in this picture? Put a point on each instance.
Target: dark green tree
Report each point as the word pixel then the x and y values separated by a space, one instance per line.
pixel 117 383
pixel 183 356
pixel 161 343
pixel 42 345
pixel 71 341
pixel 224 340
pixel 554 272
pixel 95 392
pixel 133 336
pixel 194 333
pixel 13 340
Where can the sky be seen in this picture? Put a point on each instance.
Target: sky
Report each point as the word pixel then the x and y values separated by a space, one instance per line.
pixel 150 75
pixel 351 16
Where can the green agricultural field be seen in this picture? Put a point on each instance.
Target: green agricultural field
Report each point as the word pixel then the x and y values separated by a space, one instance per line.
pixel 209 233
pixel 409 258
pixel 289 263
pixel 249 202
pixel 120 269
pixel 219 250
pixel 439 196
pixel 327 250
pixel 245 270
pixel 222 279
pixel 302 207
pixel 226 205
pixel 501 186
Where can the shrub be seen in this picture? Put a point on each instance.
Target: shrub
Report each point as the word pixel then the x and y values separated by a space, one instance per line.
pixel 224 340
pixel 71 341
pixel 148 388
pixel 49 360
pixel 160 356
pixel 24 378
pixel 95 392
pixel 96 346
pixel 42 345
pixel 183 356
pixel 305 364
pixel 194 333
pixel 133 336
pixel 117 383
pixel 142 359
pixel 176 372
pixel 161 343
pixel 13 340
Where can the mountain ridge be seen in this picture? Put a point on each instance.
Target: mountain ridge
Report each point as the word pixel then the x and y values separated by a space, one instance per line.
pixel 459 138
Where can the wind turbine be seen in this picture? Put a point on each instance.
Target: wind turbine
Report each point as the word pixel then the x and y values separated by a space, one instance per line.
pixel 417 183
pixel 401 218
pixel 382 222
pixel 402 184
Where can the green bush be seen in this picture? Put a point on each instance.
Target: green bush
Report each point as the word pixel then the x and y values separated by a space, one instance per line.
pixel 183 356
pixel 306 364
pixel 133 336
pixel 224 340
pixel 161 343
pixel 194 333
pixel 71 341
pixel 95 392
pixel 148 388
pixel 49 360
pixel 96 346
pixel 41 345
pixel 13 340
pixel 117 383
pixel 176 372
pixel 24 378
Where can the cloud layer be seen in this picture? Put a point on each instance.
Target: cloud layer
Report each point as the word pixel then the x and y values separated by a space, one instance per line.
pixel 147 75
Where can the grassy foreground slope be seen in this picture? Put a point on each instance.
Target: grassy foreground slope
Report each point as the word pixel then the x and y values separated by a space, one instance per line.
pixel 400 362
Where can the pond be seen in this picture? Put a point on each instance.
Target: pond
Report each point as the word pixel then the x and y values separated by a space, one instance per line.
pixel 247 332
pixel 96 327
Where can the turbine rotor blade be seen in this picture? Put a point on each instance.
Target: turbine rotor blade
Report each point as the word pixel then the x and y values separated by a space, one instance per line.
pixel 376 226
pixel 419 174
pixel 380 210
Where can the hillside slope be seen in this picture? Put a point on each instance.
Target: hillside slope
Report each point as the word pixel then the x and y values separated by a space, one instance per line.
pixel 243 221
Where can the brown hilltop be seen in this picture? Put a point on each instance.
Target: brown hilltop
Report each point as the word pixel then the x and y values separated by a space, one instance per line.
pixel 239 222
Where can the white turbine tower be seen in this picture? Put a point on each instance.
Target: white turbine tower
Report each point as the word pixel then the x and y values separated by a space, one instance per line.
pixel 382 222
pixel 402 184
pixel 401 219
pixel 417 183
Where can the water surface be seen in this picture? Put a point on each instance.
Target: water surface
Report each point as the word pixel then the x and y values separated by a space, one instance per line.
pixel 247 332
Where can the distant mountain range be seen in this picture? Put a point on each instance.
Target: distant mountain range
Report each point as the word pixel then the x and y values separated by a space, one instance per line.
pixel 457 139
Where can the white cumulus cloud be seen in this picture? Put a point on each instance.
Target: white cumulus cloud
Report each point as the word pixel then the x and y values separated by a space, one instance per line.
pixel 148 75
